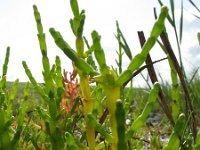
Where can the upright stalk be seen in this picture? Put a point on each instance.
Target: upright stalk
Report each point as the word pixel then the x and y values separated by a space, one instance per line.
pixel 87 101
pixel 77 26
pixel 113 94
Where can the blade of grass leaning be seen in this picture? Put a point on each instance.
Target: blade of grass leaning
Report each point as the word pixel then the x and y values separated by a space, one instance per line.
pixel 175 85
pixel 198 17
pixel 119 52
pixel 124 44
pixel 172 9
pixel 139 59
pixel 176 35
pixel 195 6
pixel 194 75
pixel 181 23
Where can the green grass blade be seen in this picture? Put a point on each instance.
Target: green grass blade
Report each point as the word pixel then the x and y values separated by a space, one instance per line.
pixel 181 22
pixel 124 44
pixel 189 107
pixel 119 52
pixel 195 73
pixel 175 85
pixel 160 2
pixel 176 34
pixel 195 6
pixel 172 9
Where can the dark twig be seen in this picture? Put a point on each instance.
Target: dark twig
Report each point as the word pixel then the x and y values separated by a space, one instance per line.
pixel 141 69
pixel 154 79
pixel 189 107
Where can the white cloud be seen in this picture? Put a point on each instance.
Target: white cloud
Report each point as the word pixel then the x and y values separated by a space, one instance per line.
pixel 18 30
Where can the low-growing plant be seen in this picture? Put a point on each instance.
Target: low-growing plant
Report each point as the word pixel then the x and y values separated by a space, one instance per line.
pixel 93 107
pixel 11 127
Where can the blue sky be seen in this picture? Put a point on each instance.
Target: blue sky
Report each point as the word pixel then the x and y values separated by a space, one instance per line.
pixel 18 30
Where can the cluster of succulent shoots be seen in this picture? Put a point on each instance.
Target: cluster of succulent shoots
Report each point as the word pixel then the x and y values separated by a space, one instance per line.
pixel 107 77
pixel 71 86
pixel 66 91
